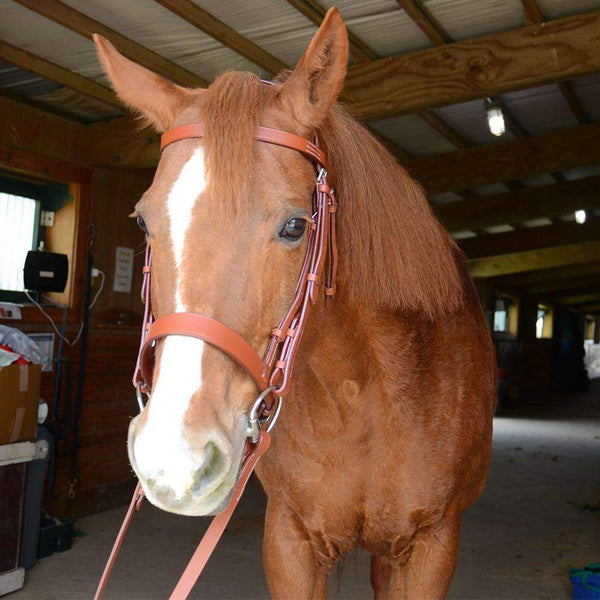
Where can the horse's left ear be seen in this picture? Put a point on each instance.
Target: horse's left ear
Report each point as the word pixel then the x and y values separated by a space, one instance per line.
pixel 314 84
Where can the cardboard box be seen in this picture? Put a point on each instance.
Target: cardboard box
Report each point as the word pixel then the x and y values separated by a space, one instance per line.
pixel 19 400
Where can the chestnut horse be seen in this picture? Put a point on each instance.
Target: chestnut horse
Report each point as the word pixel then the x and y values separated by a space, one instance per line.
pixel 385 436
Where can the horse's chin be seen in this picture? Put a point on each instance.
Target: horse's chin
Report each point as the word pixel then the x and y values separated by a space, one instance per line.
pixel 191 505
pixel 211 504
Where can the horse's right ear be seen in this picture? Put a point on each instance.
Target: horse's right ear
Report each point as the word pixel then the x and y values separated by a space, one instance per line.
pixel 313 86
pixel 154 97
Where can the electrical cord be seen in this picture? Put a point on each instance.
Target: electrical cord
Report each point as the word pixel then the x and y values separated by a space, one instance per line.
pixel 58 333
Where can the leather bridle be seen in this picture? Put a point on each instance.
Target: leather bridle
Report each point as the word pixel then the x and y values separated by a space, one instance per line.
pixel 273 372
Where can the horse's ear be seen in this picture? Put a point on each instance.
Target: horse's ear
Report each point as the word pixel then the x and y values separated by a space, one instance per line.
pixel 154 97
pixel 314 84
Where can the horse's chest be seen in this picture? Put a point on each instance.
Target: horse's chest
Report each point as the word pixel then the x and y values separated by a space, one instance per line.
pixel 346 497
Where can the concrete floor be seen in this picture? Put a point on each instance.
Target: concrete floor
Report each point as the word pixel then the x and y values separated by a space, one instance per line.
pixel 539 516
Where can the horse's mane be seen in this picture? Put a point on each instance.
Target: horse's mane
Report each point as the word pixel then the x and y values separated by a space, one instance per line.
pixel 393 252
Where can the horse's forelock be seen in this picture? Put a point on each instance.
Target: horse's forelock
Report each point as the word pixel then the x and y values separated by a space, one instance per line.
pixel 231 110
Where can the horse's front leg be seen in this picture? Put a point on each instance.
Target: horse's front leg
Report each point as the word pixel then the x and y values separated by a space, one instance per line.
pixel 428 572
pixel 289 560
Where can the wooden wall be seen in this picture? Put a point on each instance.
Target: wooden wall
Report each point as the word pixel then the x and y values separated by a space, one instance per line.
pixel 45 145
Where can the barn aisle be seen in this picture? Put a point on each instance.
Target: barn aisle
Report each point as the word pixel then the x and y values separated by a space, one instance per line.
pixel 538 516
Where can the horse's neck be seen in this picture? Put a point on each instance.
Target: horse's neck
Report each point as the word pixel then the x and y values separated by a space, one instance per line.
pixel 336 360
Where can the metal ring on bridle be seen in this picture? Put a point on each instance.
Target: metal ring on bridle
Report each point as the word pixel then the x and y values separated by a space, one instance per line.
pixel 254 419
pixel 139 395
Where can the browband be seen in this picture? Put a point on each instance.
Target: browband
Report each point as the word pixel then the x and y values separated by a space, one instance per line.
pixel 263 134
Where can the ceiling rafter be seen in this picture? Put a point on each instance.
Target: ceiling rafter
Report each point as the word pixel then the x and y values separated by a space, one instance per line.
pixel 509 160
pixel 546 258
pixel 533 12
pixel 471 69
pixel 526 240
pixel 80 23
pixel 534 15
pixel 216 29
pixel 419 13
pixel 560 288
pixel 313 11
pixel 361 52
pixel 516 128
pixel 550 279
pixel 49 70
pixel 521 205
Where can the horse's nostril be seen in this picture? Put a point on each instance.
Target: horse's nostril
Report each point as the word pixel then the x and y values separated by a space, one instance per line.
pixel 212 469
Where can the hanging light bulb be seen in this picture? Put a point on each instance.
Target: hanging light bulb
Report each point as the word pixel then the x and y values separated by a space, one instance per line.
pixel 495 117
pixel 580 216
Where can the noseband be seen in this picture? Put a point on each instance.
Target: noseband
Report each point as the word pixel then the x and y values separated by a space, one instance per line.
pixel 272 373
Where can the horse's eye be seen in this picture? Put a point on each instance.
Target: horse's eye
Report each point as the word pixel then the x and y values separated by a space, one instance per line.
pixel 142 224
pixel 293 229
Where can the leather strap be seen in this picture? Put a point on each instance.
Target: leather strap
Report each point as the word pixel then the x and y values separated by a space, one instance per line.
pixel 210 330
pixel 263 134
pixel 211 537
pixel 219 523
pixel 135 504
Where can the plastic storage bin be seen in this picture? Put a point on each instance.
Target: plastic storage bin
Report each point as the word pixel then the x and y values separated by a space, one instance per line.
pixel 586 582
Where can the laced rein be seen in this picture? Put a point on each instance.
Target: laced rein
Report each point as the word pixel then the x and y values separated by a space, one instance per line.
pixel 318 272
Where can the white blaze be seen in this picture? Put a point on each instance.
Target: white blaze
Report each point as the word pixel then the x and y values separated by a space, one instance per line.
pixel 160 451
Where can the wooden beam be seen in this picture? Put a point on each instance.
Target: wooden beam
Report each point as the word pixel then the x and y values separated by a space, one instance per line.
pixel 313 11
pixel 521 205
pixel 548 279
pixel 546 258
pixel 488 66
pixel 203 20
pixel 506 161
pixel 573 103
pixel 588 308
pixel 83 25
pixel 533 13
pixel 48 70
pixel 436 34
pixel 120 143
pixel 578 298
pixel 425 20
pixel 25 130
pixel 564 288
pixel 530 239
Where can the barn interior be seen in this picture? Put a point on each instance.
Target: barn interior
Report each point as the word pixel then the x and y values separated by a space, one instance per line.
pixel 492 105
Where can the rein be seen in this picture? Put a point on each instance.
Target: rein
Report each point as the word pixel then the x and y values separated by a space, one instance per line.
pixel 273 372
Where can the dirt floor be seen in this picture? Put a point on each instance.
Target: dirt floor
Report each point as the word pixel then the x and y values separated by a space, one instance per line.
pixel 539 516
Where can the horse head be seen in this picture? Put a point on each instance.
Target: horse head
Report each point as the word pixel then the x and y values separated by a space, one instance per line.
pixel 227 219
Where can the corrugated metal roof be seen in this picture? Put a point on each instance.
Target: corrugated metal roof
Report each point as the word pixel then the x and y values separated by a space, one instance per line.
pixel 160 30
pixel 470 120
pixel 540 109
pixel 465 19
pixel 86 109
pixel 284 32
pixel 413 134
pixel 555 9
pixel 382 25
pixel 22 82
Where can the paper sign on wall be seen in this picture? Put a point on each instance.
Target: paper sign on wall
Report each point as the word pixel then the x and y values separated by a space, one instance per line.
pixel 123 269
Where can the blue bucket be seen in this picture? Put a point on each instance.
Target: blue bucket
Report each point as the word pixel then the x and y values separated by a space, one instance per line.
pixel 586 582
